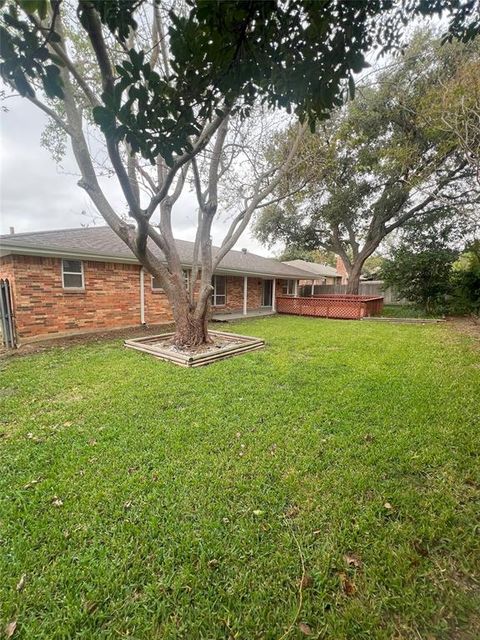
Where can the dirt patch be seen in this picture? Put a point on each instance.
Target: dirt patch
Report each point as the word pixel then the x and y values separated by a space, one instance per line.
pixel 218 342
pixel 86 338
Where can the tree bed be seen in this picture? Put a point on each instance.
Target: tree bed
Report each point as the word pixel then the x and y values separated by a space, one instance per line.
pixel 223 345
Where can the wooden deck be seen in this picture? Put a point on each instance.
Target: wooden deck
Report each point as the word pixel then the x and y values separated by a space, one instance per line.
pixel 351 307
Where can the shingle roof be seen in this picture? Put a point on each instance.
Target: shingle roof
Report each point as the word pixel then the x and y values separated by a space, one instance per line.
pixel 102 242
pixel 313 267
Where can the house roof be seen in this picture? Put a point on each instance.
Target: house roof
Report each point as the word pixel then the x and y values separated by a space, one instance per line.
pixel 313 267
pixel 101 243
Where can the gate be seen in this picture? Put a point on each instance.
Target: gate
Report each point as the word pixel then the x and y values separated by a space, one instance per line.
pixel 6 315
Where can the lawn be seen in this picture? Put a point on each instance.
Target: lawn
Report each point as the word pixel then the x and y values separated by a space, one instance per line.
pixel 141 500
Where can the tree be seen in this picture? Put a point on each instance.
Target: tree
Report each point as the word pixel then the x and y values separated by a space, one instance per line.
pixel 162 84
pixel 452 109
pixel 377 164
pixel 466 280
pixel 315 255
pixel 422 276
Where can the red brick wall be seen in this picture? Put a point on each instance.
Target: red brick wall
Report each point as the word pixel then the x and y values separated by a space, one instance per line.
pixel 111 298
pixel 340 267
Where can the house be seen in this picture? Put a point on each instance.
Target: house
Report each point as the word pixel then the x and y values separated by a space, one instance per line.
pixel 322 272
pixel 78 280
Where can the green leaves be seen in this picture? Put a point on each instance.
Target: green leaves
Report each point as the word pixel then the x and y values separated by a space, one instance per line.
pixel 24 52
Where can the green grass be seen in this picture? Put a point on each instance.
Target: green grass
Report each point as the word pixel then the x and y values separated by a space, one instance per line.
pixel 406 311
pixel 190 496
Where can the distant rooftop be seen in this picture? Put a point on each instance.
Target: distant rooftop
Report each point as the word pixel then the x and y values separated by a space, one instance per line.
pixel 313 267
pixel 97 243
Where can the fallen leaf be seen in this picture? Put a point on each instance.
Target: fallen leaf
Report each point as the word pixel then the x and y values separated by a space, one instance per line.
pixel 292 511
pixel 306 582
pixel 90 606
pixel 388 506
pixel 368 438
pixel 305 628
pixel 67 424
pixel 348 586
pixel 32 483
pixel 10 629
pixel 258 512
pixel 21 583
pixel 352 560
pixel 56 502
pixel 127 504
pixel 213 563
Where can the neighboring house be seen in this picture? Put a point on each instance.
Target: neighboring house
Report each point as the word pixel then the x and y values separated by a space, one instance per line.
pixel 77 280
pixel 323 273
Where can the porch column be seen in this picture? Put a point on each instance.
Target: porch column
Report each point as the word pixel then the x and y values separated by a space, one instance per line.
pixel 274 304
pixel 313 288
pixel 245 294
pixel 295 291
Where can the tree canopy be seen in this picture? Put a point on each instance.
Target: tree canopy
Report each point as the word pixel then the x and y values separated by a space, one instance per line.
pixel 378 163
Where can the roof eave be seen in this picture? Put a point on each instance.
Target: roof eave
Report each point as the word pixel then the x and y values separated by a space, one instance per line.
pixel 6 250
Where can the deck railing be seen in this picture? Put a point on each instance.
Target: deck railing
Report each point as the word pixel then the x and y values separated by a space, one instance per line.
pixel 346 306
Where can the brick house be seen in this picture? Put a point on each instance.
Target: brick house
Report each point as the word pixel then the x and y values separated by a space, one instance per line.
pixel 79 280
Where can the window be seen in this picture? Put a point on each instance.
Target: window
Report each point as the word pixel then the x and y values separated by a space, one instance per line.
pixel 72 274
pixel 156 285
pixel 289 288
pixel 219 294
pixel 186 278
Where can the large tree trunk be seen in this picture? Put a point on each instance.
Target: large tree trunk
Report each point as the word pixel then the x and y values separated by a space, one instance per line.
pixel 354 278
pixel 191 326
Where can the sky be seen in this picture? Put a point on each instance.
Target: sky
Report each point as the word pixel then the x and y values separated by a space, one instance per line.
pixel 37 195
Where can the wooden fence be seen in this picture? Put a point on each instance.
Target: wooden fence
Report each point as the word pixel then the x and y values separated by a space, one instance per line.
pixel 338 306
pixel 371 288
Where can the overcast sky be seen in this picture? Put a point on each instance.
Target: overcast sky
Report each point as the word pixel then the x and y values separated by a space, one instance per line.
pixel 36 194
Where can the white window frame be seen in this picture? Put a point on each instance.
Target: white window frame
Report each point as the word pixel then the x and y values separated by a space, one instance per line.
pixel 186 278
pixel 291 282
pixel 73 273
pixel 214 292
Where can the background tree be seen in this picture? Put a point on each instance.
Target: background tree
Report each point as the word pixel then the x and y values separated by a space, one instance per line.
pixel 162 84
pixel 314 255
pixel 377 164
pixel 422 275
pixel 466 280
pixel 452 109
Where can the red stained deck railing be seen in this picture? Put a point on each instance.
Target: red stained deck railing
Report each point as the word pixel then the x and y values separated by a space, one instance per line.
pixel 350 307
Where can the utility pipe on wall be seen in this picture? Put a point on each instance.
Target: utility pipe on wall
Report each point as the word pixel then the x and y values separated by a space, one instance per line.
pixel 142 296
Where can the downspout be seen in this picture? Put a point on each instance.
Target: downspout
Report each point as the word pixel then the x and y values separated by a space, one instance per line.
pixel 245 295
pixel 142 296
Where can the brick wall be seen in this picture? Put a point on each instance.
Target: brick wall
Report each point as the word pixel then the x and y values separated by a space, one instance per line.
pixel 340 267
pixel 110 300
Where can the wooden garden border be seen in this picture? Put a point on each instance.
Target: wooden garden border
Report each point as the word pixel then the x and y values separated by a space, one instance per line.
pixel 144 344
